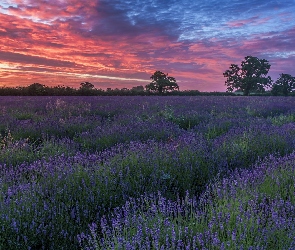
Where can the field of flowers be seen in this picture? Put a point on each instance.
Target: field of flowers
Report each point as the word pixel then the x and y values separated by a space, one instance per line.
pixel 147 172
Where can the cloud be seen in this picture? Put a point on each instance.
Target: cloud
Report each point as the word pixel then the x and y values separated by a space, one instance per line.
pixel 254 21
pixel 27 59
pixel 194 41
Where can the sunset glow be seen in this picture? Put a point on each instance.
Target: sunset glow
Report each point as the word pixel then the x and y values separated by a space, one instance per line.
pixel 116 44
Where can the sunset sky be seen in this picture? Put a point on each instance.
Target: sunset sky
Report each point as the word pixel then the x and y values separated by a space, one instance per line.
pixel 121 43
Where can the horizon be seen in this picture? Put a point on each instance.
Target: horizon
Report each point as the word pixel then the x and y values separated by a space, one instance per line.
pixel 120 44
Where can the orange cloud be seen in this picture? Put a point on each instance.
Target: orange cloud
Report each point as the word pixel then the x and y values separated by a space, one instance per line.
pixel 68 42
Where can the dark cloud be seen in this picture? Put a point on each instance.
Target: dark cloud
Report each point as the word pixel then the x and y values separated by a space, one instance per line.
pixel 27 59
pixel 131 18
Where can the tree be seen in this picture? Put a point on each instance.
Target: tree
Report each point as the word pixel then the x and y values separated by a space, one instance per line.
pixel 86 88
pixel 284 85
pixel 162 83
pixel 36 89
pixel 250 77
pixel 86 85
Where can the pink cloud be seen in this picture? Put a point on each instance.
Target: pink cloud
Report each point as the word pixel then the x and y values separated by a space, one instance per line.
pixel 250 21
pixel 53 43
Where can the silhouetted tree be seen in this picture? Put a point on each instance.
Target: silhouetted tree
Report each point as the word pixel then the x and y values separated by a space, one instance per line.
pixel 36 89
pixel 250 77
pixel 86 85
pixel 86 88
pixel 284 85
pixel 162 83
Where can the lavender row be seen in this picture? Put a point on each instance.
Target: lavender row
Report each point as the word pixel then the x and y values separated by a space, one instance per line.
pixel 250 209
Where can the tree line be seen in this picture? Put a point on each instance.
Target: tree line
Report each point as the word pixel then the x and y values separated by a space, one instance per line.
pixel 85 89
pixel 249 78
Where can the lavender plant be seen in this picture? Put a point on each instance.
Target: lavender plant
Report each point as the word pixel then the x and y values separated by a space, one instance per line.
pixel 72 161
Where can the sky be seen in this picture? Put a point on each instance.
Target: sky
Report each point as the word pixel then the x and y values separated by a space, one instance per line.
pixel 121 43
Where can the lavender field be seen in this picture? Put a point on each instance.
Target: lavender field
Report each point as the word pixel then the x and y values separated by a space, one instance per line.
pixel 147 172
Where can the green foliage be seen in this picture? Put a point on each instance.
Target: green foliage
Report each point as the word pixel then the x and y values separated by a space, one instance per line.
pixel 284 85
pixel 244 149
pixel 214 130
pixel 187 121
pixel 282 119
pixel 162 83
pixel 250 77
pixel 13 152
pixel 184 121
pixel 24 115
